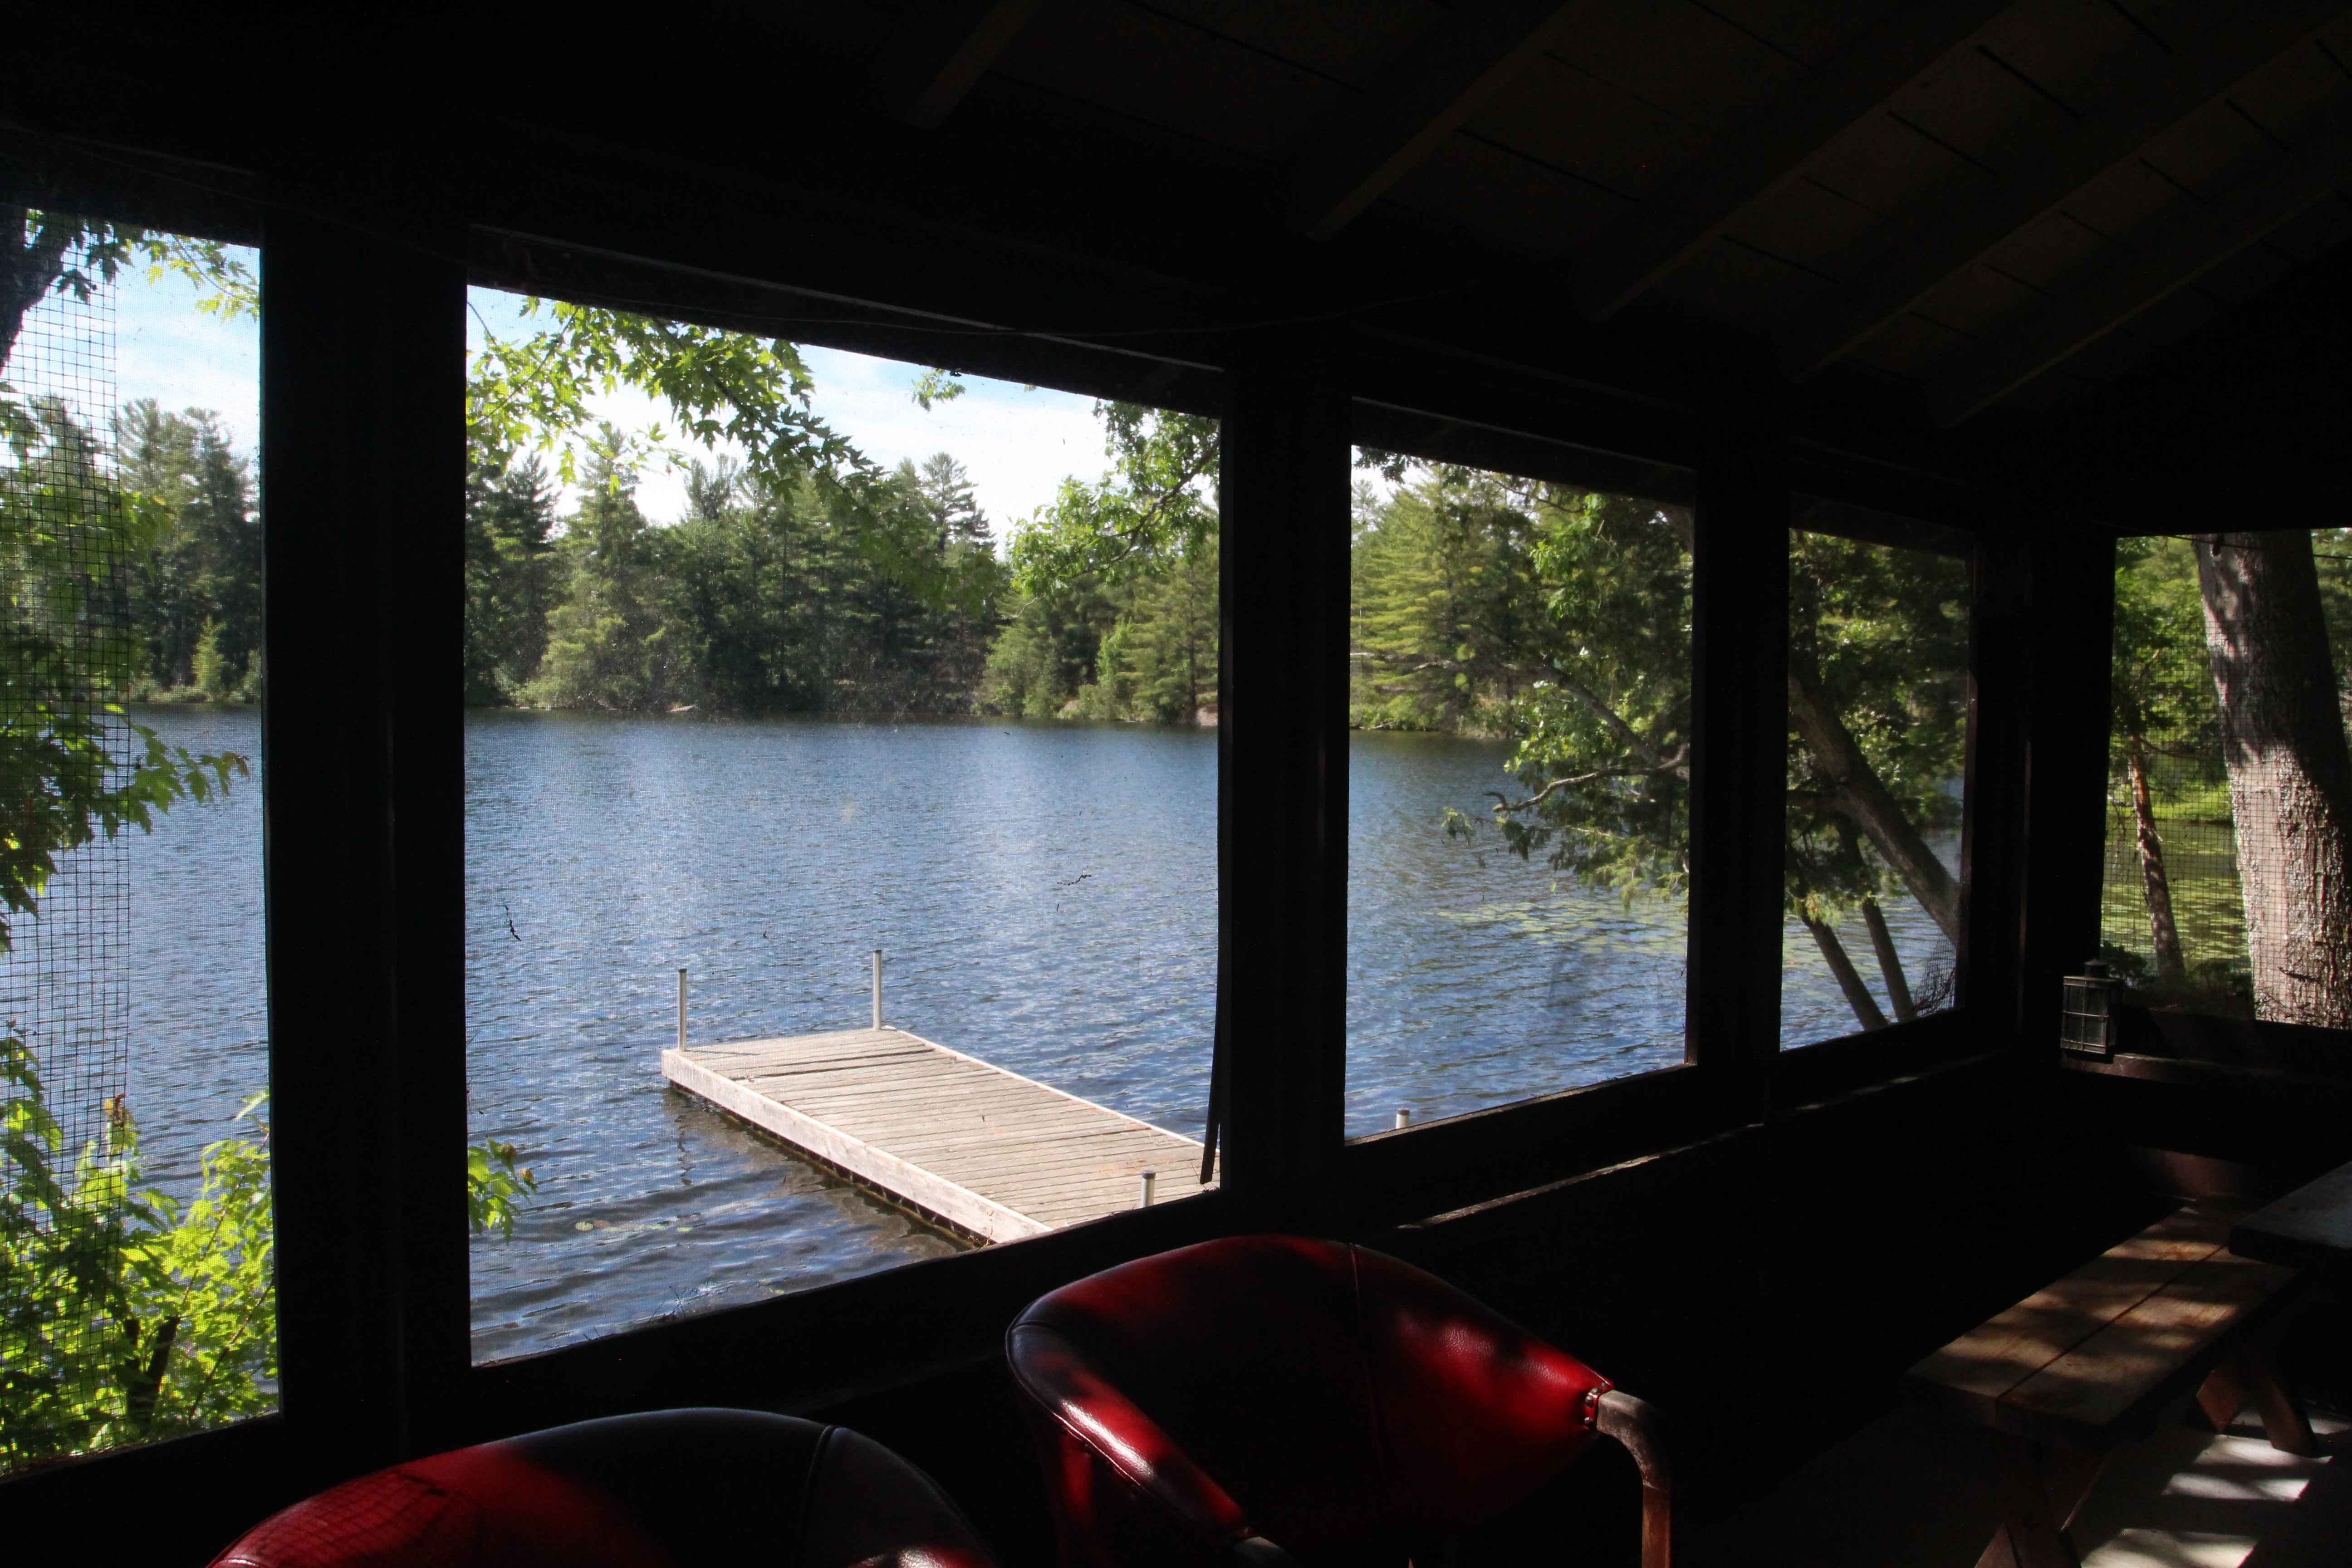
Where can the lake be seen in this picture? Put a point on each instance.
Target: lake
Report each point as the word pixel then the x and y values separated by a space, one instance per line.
pixel 1044 898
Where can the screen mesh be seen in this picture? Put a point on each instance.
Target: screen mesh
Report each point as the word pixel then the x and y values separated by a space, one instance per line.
pixel 62 990
pixel 2229 794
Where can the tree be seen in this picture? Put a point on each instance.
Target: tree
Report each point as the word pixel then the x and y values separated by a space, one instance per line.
pixel 68 535
pixel 1117 581
pixel 1156 504
pixel 509 516
pixel 2283 738
pixel 1878 672
pixel 1560 618
pixel 1448 614
pixel 609 642
pixel 2162 694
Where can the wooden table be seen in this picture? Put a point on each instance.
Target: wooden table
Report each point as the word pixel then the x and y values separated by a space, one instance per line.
pixel 2309 1226
pixel 2090 1361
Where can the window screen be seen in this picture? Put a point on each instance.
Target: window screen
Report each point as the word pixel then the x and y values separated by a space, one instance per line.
pixel 1518 789
pixel 1878 694
pixel 840 818
pixel 2230 788
pixel 138 1300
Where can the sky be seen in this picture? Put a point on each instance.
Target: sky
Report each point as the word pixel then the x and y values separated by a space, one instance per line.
pixel 1018 445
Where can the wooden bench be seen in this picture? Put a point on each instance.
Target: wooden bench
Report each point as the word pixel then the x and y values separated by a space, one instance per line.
pixel 2092 1361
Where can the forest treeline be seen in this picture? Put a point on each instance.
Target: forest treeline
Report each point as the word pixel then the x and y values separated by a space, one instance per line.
pixel 767 595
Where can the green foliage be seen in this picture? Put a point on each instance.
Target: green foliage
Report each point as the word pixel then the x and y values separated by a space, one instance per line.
pixel 495 1187
pixel 1117 614
pixel 1157 505
pixel 764 598
pixel 124 1318
pixel 203 566
pixel 936 385
pixel 1556 616
pixel 2161 686
pixel 1883 634
pixel 510 518
pixel 533 391
pixel 68 535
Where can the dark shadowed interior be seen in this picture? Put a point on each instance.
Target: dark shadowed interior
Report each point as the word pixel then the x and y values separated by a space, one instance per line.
pixel 1990 286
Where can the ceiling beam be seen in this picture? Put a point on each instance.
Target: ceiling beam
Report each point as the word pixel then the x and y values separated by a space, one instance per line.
pixel 1448 75
pixel 1677 222
pixel 2172 251
pixel 926 69
pixel 2201 71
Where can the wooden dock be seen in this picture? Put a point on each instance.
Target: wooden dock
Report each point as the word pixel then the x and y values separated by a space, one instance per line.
pixel 993 1154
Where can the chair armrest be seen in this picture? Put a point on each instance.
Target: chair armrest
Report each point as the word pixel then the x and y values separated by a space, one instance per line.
pixel 1635 1423
pixel 1101 1417
pixel 1258 1551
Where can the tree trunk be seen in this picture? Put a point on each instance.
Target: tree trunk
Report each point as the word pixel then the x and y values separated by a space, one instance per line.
pixel 30 260
pixel 1857 994
pixel 2290 770
pixel 1890 962
pixel 1862 798
pixel 2171 966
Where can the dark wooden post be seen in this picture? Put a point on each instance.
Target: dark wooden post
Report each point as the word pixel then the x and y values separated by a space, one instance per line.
pixel 362 481
pixel 2058 669
pixel 1739 654
pixel 1282 775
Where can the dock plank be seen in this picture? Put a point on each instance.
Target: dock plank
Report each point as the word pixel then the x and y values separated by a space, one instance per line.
pixel 995 1154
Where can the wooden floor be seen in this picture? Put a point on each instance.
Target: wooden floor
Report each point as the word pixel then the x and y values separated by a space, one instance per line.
pixel 992 1153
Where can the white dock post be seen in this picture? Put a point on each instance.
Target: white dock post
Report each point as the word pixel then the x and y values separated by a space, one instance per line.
pixel 1405 1116
pixel 878 987
pixel 681 1009
pixel 1150 1178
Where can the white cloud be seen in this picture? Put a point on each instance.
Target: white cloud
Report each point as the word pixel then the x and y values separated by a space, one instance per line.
pixel 165 351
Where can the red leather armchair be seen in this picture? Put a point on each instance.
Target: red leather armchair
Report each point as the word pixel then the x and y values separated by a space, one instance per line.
pixel 674 1489
pixel 1269 1399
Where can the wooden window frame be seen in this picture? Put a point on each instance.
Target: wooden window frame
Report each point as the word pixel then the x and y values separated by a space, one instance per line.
pixel 363 349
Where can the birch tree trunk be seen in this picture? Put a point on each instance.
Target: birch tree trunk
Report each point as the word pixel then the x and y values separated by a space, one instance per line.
pixel 2290 770
pixel 1857 994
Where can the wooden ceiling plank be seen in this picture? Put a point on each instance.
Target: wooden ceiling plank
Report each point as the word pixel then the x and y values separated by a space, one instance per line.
pixel 1681 220
pixel 1735 283
pixel 1351 45
pixel 2189 240
pixel 2201 71
pixel 1130 61
pixel 1905 350
pixel 1505 198
pixel 2324 227
pixel 1812 224
pixel 1558 116
pixel 2046 251
pixel 1880 163
pixel 931 67
pixel 1682 59
pixel 1460 64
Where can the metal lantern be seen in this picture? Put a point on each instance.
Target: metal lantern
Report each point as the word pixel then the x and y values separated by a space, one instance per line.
pixel 2087 1025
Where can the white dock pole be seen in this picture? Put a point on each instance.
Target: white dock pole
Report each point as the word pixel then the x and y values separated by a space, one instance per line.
pixel 1149 1179
pixel 1405 1116
pixel 681 1009
pixel 878 987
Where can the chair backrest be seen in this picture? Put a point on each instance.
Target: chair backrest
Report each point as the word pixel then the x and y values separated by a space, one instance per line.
pixel 1323 1395
pixel 674 1489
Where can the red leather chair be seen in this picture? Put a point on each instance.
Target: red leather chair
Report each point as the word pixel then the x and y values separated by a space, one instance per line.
pixel 1269 1399
pixel 674 1489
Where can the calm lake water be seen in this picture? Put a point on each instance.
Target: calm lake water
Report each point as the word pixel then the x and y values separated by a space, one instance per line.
pixel 1044 897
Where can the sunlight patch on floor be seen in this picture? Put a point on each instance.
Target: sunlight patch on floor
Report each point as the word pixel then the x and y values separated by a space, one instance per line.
pixel 2185 1498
